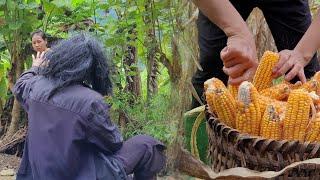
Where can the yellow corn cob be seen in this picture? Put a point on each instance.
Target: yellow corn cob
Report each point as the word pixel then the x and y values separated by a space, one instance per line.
pixel 263 76
pixel 210 86
pixel 214 83
pixel 296 85
pixel 248 115
pixel 316 76
pixel 278 92
pixel 233 89
pixel 271 124
pixel 225 106
pixel 315 100
pixel 311 85
pixel 297 115
pixel 221 102
pixel 264 101
pixel 313 133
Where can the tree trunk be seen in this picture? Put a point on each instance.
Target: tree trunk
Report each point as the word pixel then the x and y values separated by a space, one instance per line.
pixel 151 43
pixel 1 114
pixel 15 117
pixel 14 73
pixel 132 72
pixel 259 27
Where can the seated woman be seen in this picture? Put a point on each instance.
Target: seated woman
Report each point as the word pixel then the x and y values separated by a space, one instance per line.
pixel 71 135
pixel 39 41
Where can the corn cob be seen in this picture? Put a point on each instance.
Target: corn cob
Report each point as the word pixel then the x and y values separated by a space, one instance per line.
pixel 271 124
pixel 225 107
pixel 316 76
pixel 278 92
pixel 263 76
pixel 316 100
pixel 297 115
pixel 313 133
pixel 264 101
pixel 233 89
pixel 248 115
pixel 296 85
pixel 210 86
pixel 311 85
pixel 214 83
pixel 221 102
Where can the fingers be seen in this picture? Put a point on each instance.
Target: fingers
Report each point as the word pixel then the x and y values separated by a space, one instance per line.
pixel 236 81
pixel 284 57
pixel 302 76
pixel 230 63
pixel 38 59
pixel 293 72
pixel 224 52
pixel 247 76
pixel 297 70
pixel 285 68
pixel 38 54
pixel 235 71
pixel 42 55
pixel 229 53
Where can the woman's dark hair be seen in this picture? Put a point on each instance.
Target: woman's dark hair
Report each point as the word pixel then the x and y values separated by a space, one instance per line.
pixel 79 59
pixel 40 33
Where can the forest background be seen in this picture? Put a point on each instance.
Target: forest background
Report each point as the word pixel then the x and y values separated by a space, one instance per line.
pixel 152 45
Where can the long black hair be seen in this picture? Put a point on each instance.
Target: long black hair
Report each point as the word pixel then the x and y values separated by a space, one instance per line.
pixel 78 60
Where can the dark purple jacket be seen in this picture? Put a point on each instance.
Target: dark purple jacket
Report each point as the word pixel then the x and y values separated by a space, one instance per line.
pixel 70 136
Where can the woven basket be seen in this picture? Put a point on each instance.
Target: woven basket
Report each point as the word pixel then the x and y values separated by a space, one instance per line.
pixel 229 148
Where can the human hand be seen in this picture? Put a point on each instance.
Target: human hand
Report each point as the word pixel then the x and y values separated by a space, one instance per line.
pixel 292 60
pixel 239 58
pixel 38 60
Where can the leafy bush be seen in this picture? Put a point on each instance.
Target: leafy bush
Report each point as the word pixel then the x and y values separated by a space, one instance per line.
pixel 151 118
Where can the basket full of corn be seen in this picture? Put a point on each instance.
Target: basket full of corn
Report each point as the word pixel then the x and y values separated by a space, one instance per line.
pixel 262 125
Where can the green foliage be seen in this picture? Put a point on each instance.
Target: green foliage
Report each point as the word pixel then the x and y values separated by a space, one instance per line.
pixel 152 118
pixel 116 23
pixel 4 67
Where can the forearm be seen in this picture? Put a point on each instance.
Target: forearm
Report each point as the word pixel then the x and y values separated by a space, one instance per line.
pixel 310 42
pixel 224 15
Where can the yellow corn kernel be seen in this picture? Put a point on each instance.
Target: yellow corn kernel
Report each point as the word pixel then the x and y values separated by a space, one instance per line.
pixel 263 76
pixel 248 115
pixel 271 124
pixel 297 115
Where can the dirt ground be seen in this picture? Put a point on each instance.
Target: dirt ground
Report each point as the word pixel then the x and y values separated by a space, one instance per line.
pixel 10 164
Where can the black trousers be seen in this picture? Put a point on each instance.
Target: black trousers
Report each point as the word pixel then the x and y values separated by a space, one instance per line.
pixel 288 20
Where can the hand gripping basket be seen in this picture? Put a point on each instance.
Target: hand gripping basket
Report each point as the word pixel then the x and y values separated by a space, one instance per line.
pixel 228 148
